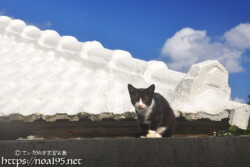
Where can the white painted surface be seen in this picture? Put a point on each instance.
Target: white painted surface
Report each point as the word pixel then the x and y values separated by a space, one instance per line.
pixel 44 73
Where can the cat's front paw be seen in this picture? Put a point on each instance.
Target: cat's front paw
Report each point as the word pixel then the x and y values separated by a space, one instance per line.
pixel 153 134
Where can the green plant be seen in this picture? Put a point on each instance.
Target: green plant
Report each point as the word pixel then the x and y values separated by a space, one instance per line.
pixel 234 130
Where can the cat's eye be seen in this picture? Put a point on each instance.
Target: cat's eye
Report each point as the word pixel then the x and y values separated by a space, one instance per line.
pixel 145 98
pixel 135 97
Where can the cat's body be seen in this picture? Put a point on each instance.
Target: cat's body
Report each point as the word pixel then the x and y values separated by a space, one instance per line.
pixel 155 116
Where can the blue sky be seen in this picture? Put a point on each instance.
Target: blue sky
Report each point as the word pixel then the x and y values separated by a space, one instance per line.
pixel 147 28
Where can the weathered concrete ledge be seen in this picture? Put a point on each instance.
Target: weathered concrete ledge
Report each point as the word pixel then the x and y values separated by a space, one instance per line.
pixel 86 128
pixel 65 116
pixel 105 116
pixel 181 152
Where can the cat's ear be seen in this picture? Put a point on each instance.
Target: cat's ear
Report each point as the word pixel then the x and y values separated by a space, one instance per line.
pixel 131 88
pixel 151 89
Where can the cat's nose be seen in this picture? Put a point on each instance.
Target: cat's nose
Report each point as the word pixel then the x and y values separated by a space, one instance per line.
pixel 140 105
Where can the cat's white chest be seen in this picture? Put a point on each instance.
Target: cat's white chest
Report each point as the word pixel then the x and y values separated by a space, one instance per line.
pixel 150 109
pixel 147 111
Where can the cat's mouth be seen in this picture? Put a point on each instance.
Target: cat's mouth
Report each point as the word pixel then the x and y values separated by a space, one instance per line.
pixel 140 108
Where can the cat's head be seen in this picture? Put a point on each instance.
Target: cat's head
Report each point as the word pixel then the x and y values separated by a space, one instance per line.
pixel 141 98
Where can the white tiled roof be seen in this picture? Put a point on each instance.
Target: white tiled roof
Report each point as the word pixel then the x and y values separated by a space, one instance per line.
pixel 44 73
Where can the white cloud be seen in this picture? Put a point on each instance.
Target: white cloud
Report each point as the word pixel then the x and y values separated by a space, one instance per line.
pixel 239 100
pixel 189 46
pixel 239 36
pixel 245 59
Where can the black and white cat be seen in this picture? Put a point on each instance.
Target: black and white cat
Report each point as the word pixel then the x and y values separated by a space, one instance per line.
pixel 155 116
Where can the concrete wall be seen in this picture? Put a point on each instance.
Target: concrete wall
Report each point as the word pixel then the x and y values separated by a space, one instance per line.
pixel 193 152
